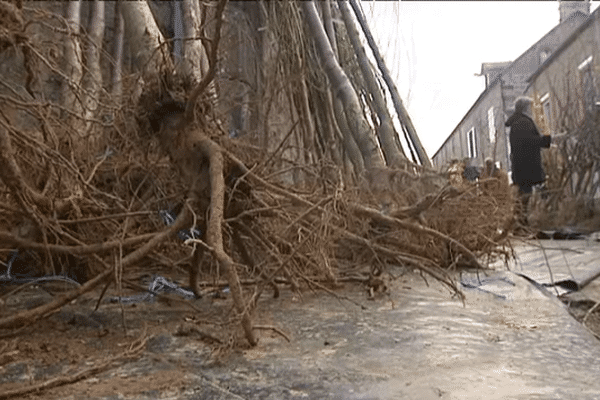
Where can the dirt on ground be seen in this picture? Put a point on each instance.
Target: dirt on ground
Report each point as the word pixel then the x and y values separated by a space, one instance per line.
pixel 78 343
pixel 79 351
pixel 587 312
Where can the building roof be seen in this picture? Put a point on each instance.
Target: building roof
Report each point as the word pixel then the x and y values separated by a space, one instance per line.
pixel 498 78
pixel 488 89
pixel 565 44
pixel 487 67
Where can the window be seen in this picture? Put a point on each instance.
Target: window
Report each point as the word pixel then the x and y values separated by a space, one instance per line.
pixel 587 84
pixel 456 145
pixel 545 100
pixel 471 143
pixel 491 125
pixel 585 63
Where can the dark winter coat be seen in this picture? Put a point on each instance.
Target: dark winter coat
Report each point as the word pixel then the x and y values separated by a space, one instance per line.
pixel 525 145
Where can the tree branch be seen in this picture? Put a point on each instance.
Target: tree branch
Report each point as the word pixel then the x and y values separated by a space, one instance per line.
pixel 212 62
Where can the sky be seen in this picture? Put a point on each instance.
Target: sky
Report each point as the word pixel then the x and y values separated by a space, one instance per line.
pixel 434 51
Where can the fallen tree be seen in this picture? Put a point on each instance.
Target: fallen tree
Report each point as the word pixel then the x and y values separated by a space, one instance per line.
pixel 280 214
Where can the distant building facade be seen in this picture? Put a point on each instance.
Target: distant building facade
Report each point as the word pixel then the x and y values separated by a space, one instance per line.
pixel 481 132
pixel 567 90
pixel 567 85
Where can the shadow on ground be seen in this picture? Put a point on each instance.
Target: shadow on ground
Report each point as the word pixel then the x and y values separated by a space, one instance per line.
pixel 509 340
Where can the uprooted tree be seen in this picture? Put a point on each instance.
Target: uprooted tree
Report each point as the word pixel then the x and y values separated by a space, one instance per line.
pixel 281 153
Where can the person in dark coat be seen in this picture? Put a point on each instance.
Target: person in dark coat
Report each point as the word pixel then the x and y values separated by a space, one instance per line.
pixel 526 143
pixel 526 159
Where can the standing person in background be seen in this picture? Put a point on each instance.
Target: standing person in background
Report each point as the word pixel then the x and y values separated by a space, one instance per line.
pixel 526 143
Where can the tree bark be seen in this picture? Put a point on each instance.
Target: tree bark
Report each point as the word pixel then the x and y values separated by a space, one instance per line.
pixel 394 156
pixel 93 79
pixel 343 89
pixel 338 156
pixel 328 23
pixel 117 54
pixel 212 61
pixel 194 62
pixel 178 33
pixel 396 100
pixel 350 145
pixel 214 234
pixel 73 59
pixel 144 36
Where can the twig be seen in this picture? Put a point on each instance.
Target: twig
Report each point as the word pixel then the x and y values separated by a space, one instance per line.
pixel 266 184
pixel 285 138
pixel 417 229
pixel 331 292
pixel 103 217
pixel 118 260
pixel 256 211
pixel 416 261
pixel 539 245
pixel 10 239
pixel 14 332
pixel 72 378
pixel 164 296
pixel 308 211
pixel 274 329
pixel 590 311
pixel 212 64
pixel 133 257
pixel 549 268
pixel 98 164
pixel 36 281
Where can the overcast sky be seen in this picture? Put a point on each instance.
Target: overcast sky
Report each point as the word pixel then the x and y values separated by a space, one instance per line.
pixel 435 49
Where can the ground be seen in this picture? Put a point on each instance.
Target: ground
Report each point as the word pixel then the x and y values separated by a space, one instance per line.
pixel 166 351
pixel 580 310
pixel 79 338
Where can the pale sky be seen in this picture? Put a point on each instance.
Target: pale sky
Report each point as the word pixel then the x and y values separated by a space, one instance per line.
pixel 435 49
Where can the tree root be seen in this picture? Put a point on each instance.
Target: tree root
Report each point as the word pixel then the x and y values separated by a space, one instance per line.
pixel 214 233
pixel 30 316
pixel 274 329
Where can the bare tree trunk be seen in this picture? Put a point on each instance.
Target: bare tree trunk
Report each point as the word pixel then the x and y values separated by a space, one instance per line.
pixel 93 79
pixel 396 100
pixel 343 159
pixel 338 157
pixel 350 145
pixel 328 23
pixel 207 80
pixel 144 36
pixel 195 61
pixel 394 156
pixel 73 59
pixel 178 33
pixel 117 55
pixel 341 85
pixel 309 132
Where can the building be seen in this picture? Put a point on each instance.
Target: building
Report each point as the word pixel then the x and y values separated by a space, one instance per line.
pixel 566 85
pixel 481 132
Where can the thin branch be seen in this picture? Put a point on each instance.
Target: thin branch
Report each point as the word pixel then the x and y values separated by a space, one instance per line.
pixel 67 379
pixel 133 257
pixel 212 62
pixel 418 229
